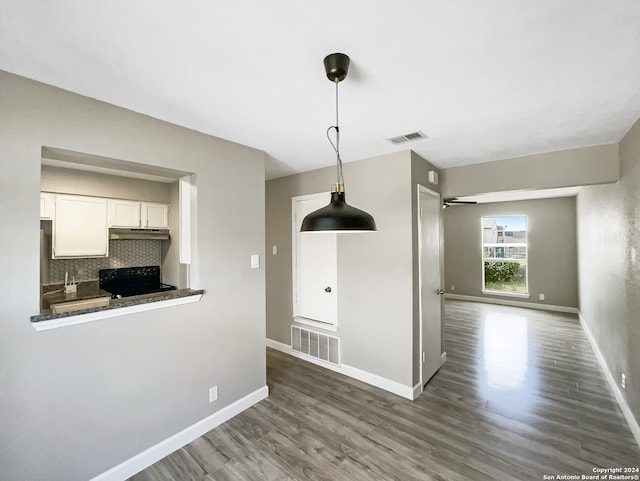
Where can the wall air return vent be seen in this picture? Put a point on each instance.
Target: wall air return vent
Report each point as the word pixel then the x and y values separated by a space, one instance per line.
pixel 410 137
pixel 316 345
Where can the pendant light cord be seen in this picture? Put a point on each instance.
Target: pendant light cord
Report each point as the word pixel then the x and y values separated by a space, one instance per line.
pixel 336 145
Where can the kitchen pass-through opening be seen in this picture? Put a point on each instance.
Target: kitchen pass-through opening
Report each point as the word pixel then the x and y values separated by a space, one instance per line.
pixel 103 215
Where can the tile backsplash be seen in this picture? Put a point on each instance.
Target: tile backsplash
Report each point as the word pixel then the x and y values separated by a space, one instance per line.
pixel 122 253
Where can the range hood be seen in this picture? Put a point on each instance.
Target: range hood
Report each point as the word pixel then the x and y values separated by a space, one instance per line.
pixel 151 234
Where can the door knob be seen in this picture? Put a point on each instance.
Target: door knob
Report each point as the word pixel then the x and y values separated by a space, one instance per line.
pixel 327 289
pixel 440 291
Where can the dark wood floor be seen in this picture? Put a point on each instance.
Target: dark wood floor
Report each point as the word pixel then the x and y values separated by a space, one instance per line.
pixel 520 396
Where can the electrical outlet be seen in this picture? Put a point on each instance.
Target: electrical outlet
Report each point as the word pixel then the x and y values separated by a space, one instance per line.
pixel 623 381
pixel 541 297
pixel 255 261
pixel 213 394
pixel 453 288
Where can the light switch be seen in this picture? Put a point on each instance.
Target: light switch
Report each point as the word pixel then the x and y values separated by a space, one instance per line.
pixel 255 261
pixel 213 394
pixel 275 250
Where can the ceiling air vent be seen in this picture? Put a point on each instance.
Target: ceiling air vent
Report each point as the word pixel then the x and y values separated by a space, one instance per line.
pixel 410 137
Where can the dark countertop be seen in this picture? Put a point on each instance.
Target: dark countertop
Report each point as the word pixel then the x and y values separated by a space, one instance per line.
pixel 119 303
pixel 54 294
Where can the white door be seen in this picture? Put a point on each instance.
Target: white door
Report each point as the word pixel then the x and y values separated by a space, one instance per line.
pixel 315 264
pixel 431 281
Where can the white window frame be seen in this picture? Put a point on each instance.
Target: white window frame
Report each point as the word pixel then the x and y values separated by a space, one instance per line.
pixel 495 292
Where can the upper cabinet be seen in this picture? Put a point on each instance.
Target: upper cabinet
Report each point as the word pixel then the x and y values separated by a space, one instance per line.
pixel 81 223
pixel 124 213
pixel 47 205
pixel 127 213
pixel 80 227
pixel 155 216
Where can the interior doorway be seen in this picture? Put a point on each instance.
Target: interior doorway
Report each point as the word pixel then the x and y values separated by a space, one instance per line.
pixel 431 282
pixel 315 267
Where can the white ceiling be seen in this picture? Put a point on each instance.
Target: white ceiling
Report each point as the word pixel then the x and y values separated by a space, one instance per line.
pixel 484 80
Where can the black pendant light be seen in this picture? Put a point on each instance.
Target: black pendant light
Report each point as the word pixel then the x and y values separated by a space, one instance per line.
pixel 338 216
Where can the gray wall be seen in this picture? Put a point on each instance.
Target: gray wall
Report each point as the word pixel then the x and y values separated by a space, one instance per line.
pixel 565 168
pixel 375 271
pixel 80 399
pixel 69 181
pixel 609 260
pixel 551 240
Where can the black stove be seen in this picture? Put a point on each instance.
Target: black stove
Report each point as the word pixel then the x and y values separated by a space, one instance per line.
pixel 132 281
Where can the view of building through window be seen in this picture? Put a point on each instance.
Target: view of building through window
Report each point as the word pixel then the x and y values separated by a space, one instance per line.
pixel 504 252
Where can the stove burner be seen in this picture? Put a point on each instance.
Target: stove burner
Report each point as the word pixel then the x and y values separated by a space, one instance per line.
pixel 132 281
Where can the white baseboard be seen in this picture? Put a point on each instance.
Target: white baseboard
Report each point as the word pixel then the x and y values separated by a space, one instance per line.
pixel 417 390
pixel 617 393
pixel 509 302
pixel 378 381
pixel 155 453
pixel 364 376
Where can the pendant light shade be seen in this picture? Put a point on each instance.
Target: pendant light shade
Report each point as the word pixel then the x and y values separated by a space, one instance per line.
pixel 338 216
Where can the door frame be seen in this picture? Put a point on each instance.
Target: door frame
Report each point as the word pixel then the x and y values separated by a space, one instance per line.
pixel 294 256
pixel 421 189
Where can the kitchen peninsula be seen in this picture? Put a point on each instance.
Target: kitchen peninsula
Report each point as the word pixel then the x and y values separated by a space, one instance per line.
pixel 115 307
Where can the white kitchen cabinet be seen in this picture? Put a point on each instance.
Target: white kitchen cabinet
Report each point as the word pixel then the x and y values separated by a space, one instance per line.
pixel 155 216
pixel 80 227
pixel 124 213
pixel 133 214
pixel 46 205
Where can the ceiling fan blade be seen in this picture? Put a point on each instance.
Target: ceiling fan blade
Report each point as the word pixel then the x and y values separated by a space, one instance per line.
pixel 455 201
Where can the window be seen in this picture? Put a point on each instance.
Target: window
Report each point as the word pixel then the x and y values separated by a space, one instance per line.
pixel 504 255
